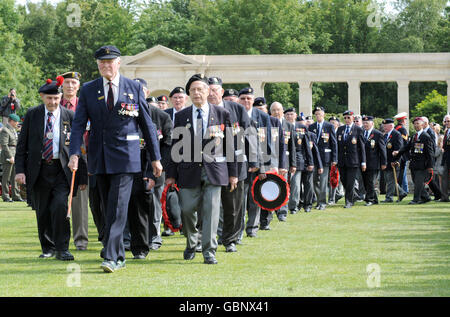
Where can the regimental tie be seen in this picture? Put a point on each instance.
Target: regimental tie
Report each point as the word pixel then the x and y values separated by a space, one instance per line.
pixel 366 134
pixel 48 138
pixel 200 121
pixel 110 100
pixel 347 131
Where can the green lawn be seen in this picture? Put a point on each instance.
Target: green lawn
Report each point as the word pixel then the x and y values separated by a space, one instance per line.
pixel 323 253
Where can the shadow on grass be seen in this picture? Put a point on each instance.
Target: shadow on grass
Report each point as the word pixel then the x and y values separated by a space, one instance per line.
pixel 431 273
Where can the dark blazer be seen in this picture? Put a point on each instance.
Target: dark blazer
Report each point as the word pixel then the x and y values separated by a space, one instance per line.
pixel 327 143
pixel 315 150
pixel 261 121
pixel 31 144
pixel 304 155
pixel 393 143
pixel 164 125
pixel 240 122
pixel 8 107
pixel 351 152
pixel 187 172
pixel 170 112
pixel 114 138
pixel 420 152
pixel 375 150
pixel 446 147
pixel 276 135
pixel 289 144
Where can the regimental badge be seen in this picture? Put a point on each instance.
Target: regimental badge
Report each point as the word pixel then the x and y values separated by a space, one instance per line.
pixel 235 128
pixel 389 145
pixel 325 137
pixel 372 144
pixel 339 137
pixel 354 140
pixel 188 126
pixel 49 135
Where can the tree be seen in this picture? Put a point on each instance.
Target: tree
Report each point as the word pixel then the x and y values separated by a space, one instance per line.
pixel 434 107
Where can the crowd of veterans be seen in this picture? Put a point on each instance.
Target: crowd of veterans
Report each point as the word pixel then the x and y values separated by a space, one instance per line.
pixel 149 167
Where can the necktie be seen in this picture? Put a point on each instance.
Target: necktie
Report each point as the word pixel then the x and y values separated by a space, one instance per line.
pixel 319 130
pixel 366 134
pixel 347 130
pixel 200 121
pixel 110 101
pixel 48 139
pixel 386 136
pixel 416 137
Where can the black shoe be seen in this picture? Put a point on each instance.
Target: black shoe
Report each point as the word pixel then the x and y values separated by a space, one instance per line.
pixel 139 256
pixel 210 260
pixel 81 248
pixel 189 254
pixel 231 248
pixel 264 227
pixel 154 247
pixel 336 199
pixel 47 254
pixel 293 211
pixel 251 235
pixel 64 256
pixel 388 201
pixel 9 200
pixel 322 207
pixel 282 218
pixel 348 205
pixel 167 233
pixel 401 197
pixel 19 199
pixel 424 201
pixel 308 209
pixel 369 203
pixel 412 202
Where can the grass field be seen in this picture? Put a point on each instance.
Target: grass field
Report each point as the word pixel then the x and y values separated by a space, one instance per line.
pixel 323 253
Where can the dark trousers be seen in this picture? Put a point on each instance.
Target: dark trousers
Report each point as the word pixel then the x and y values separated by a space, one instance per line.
pixel 232 213
pixel 266 217
pixel 115 192
pixel 419 178
pixel 49 196
pixel 434 186
pixel 138 217
pixel 348 177
pixel 370 177
pixel 95 204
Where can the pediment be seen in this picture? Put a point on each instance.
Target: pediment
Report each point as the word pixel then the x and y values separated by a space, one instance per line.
pixel 159 55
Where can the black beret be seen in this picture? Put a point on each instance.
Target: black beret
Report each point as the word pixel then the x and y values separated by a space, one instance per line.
pixel 215 81
pixel 334 118
pixel 367 118
pixel 387 121
pixel 289 110
pixel 246 91
pixel 152 99
pixel 348 113
pixel 230 92
pixel 317 109
pixel 259 101
pixel 74 75
pixel 196 77
pixel 163 98
pixel 107 52
pixel 177 90
pixel 52 87
pixel 142 81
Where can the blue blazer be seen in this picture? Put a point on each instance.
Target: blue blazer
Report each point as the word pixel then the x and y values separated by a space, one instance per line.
pixel 113 137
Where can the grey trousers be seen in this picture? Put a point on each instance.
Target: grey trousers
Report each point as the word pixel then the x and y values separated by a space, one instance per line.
pixel 390 184
pixel 299 179
pixel 8 178
pixel 206 199
pixel 155 216
pixel 253 210
pixel 320 182
pixel 80 216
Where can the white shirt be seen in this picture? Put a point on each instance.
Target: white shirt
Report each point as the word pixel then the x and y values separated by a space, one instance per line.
pixel 205 115
pixel 368 133
pixel 250 112
pixel 56 127
pixel 115 87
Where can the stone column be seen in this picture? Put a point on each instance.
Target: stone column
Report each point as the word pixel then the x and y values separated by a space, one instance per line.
pixel 258 86
pixel 305 97
pixel 403 97
pixel 354 96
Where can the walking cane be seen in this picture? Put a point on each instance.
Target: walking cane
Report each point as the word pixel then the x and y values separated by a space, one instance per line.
pixel 394 168
pixel 69 209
